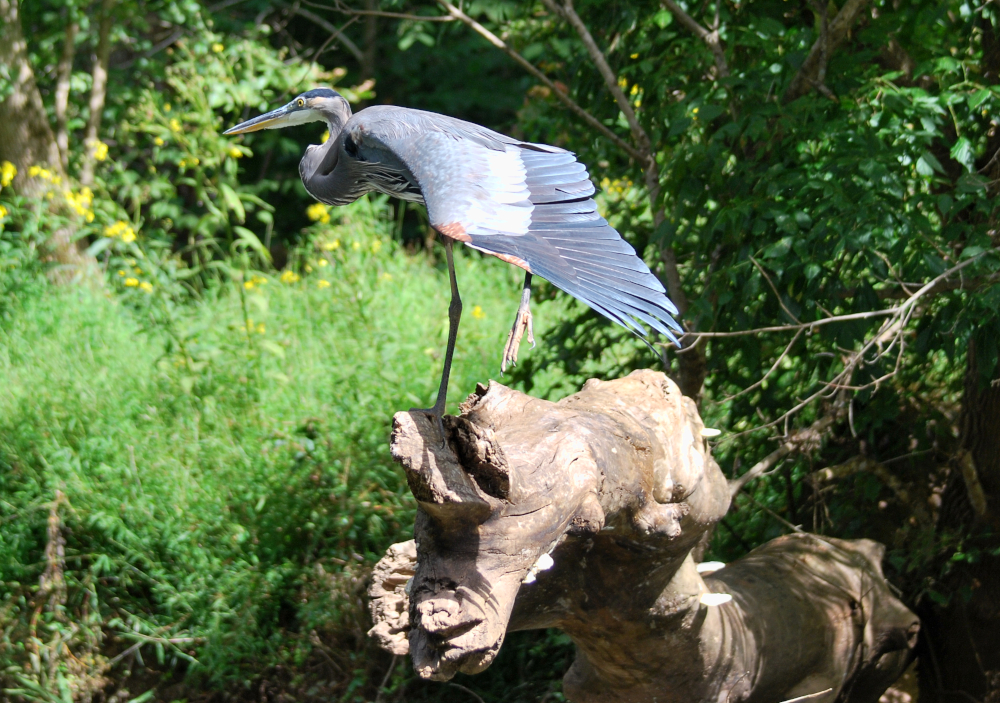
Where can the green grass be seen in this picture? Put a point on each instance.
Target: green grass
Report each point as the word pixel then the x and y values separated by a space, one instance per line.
pixel 224 492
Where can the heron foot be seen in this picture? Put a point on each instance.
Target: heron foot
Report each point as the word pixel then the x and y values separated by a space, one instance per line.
pixel 522 324
pixel 436 413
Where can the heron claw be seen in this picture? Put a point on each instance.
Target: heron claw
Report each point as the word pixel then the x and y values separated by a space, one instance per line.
pixel 522 324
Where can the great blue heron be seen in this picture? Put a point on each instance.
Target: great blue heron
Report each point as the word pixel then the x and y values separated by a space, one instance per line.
pixel 527 204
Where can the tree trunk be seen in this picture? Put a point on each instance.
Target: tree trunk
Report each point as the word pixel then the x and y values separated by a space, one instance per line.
pixel 960 654
pixel 583 515
pixel 65 73
pixel 98 92
pixel 26 138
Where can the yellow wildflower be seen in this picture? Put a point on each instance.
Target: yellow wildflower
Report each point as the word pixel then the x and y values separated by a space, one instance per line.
pixel 634 56
pixel 100 151
pixel 289 276
pixel 235 152
pixel 322 262
pixel 477 312
pixel 121 273
pixel 330 246
pixel 175 124
pixel 146 286
pixel 166 107
pixel 131 282
pixel 89 216
pixel 121 229
pixel 158 141
pixel 34 171
pixel 322 284
pixel 635 89
pixel 137 270
pixel 3 212
pixel 7 173
pixel 376 246
pixel 355 245
pixel 260 328
pixel 249 285
pixel 217 48
pixel 318 212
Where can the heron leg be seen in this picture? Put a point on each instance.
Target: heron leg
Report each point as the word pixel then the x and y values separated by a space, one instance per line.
pixel 522 324
pixel 454 316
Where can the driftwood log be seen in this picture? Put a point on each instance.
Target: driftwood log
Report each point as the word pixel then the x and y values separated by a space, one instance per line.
pixel 583 515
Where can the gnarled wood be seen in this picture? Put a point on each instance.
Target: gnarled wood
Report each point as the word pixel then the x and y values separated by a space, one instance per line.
pixel 582 515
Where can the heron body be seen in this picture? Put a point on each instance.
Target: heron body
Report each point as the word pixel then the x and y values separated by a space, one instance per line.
pixel 530 205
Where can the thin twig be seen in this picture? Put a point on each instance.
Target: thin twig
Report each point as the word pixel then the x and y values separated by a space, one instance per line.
pixel 710 38
pixel 639 135
pixel 332 29
pixel 773 288
pixel 472 693
pixel 763 378
pixel 932 286
pixel 808 696
pixel 783 521
pixel 812 435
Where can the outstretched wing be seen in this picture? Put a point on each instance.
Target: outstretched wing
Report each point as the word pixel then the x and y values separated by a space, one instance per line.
pixel 528 204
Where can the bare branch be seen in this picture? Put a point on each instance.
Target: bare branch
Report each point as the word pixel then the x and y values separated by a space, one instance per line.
pixel 530 68
pixel 333 30
pixel 932 287
pixel 711 38
pixel 807 438
pixel 610 79
pixel 645 148
pixel 342 8
pixel 809 73
pixel 763 378
pixel 774 289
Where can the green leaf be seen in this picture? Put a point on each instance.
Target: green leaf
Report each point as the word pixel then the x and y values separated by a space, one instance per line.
pixel 663 19
pixel 99 246
pixel 273 348
pixel 963 153
pixel 978 98
pixel 250 240
pixel 233 202
pixel 927 164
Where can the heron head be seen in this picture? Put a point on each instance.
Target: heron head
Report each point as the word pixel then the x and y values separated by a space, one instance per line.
pixel 318 105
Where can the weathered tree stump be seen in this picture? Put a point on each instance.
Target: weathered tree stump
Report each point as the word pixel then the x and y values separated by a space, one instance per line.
pixel 582 515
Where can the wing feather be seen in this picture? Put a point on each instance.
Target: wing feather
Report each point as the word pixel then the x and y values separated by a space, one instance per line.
pixel 525 202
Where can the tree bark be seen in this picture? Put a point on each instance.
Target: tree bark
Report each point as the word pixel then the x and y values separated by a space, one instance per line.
pixel 98 91
pixel 583 515
pixel 64 73
pixel 960 656
pixel 26 138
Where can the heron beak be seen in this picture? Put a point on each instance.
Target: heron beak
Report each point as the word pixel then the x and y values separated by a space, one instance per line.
pixel 272 120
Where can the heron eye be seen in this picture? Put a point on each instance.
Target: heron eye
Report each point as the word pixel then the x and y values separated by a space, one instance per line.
pixel 301 102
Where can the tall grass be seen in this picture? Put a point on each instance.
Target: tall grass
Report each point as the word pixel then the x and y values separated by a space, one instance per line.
pixel 219 472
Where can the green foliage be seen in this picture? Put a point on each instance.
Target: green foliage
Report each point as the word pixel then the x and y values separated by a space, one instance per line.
pixel 216 423
pixel 224 462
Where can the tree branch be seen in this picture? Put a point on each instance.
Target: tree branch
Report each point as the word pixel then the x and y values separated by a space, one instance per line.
pixel 333 30
pixel 530 68
pixel 936 285
pixel 639 135
pixel 805 439
pixel 808 75
pixel 710 38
